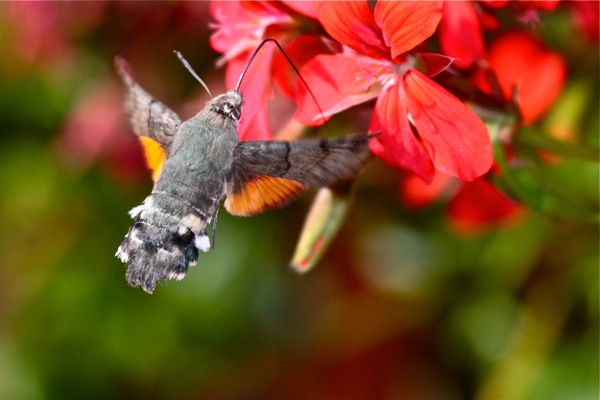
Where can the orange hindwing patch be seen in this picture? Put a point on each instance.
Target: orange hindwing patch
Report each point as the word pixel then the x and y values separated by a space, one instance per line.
pixel 154 154
pixel 263 193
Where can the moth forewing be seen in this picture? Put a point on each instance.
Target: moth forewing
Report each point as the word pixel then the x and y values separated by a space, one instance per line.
pixel 147 116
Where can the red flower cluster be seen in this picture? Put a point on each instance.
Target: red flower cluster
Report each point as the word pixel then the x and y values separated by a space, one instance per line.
pixel 353 52
pixel 411 111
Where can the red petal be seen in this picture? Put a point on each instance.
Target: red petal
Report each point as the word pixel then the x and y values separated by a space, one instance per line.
pixel 432 64
pixel 547 5
pixel 417 194
pixel 489 21
pixel 480 205
pixel 241 26
pixel 352 23
pixel 540 88
pixel 397 144
pixel 406 24
pixel 303 7
pixel 456 138
pixel 495 3
pixel 460 33
pixel 229 16
pixel 299 50
pixel 587 18
pixel 338 82
pixel 256 88
pixel 520 60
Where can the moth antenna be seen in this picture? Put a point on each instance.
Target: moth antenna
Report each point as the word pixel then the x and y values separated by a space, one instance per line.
pixel 187 65
pixel 237 87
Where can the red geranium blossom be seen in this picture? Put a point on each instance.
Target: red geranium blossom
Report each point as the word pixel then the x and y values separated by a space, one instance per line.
pixel 424 127
pixel 240 27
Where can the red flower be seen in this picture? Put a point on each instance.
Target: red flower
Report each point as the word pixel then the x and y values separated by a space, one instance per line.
pixel 522 63
pixel 424 127
pixel 473 206
pixel 241 27
pixel 479 205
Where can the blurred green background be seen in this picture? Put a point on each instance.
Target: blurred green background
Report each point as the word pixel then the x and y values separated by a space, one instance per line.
pixel 402 306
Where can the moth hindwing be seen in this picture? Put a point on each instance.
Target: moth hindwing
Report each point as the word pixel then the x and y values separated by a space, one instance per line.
pixel 204 164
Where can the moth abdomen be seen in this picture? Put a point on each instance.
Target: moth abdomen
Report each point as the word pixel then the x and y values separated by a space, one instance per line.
pixel 164 240
pixel 155 254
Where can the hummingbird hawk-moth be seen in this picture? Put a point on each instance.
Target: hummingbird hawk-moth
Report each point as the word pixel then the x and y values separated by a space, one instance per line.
pixel 205 164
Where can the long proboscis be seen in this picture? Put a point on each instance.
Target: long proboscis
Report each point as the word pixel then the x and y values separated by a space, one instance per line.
pixel 239 83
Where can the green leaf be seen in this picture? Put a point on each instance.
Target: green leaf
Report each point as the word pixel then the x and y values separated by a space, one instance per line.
pixel 566 189
pixel 534 138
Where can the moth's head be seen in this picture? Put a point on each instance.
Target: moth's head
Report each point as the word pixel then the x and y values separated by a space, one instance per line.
pixel 228 105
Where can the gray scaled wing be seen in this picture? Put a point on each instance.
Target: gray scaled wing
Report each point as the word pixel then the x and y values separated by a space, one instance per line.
pixel 270 174
pixel 147 116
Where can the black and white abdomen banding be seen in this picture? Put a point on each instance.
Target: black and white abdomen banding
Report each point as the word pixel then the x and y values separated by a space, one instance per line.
pixel 168 231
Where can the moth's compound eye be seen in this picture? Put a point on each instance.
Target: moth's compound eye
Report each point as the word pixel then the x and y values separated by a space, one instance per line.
pixel 231 110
